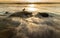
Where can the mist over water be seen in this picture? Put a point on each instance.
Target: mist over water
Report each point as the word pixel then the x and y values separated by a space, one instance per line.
pixel 30 27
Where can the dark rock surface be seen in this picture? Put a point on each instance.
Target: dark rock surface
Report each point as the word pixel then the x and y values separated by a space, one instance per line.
pixel 23 14
pixel 43 14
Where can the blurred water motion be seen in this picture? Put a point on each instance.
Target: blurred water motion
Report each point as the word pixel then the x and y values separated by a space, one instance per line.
pixel 32 27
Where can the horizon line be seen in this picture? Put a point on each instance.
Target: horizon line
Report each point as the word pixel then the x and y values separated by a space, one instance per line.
pixel 31 3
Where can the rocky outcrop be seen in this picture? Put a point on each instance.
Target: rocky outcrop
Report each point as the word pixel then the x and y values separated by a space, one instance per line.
pixel 42 14
pixel 23 14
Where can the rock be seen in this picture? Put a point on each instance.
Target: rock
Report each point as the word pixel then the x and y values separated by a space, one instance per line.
pixel 42 14
pixel 23 14
pixel 6 12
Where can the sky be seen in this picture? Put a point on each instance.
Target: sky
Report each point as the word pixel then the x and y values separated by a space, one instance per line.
pixel 11 1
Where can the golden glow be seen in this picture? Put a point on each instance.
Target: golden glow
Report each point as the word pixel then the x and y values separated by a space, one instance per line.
pixel 32 9
pixel 32 1
pixel 22 1
pixel 31 5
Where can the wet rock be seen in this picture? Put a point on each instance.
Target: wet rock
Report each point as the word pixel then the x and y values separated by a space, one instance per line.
pixel 23 14
pixel 6 12
pixel 42 14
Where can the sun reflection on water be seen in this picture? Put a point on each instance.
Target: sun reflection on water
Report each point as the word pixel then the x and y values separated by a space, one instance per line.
pixel 31 7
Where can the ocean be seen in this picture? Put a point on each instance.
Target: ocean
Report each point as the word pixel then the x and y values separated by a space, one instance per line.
pixel 36 26
pixel 53 8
